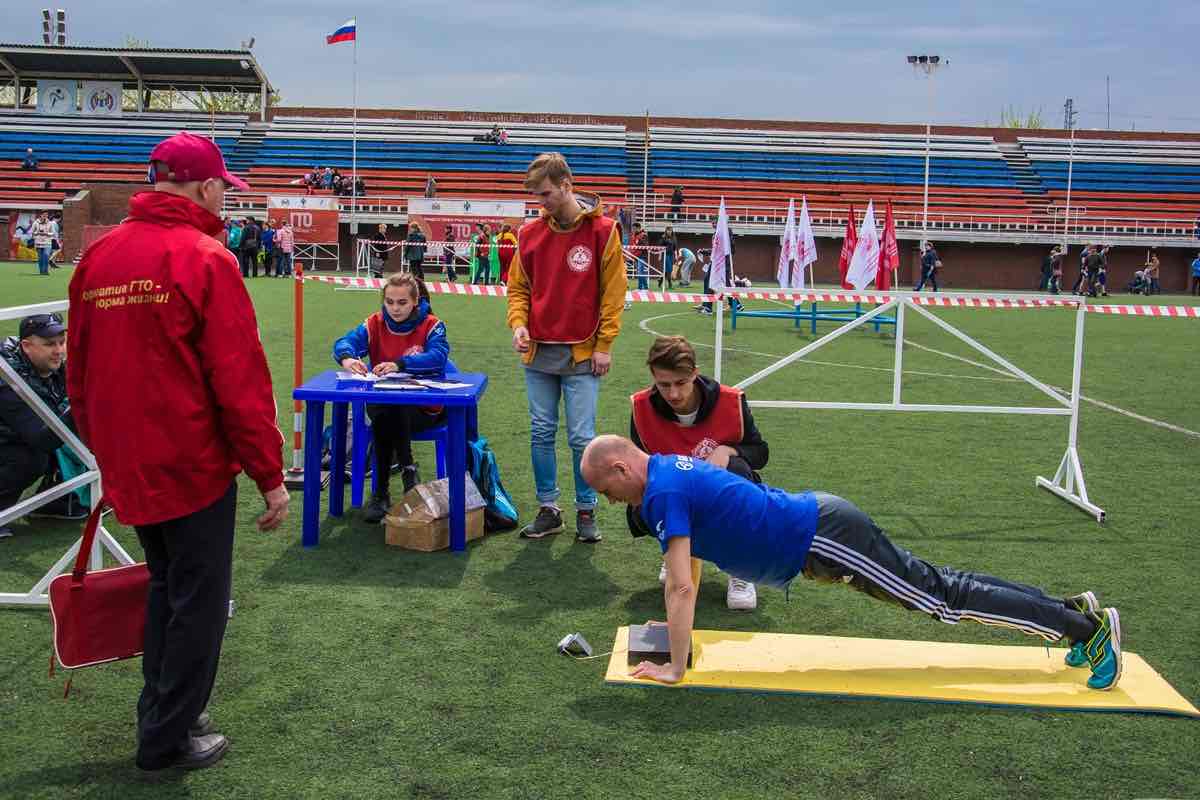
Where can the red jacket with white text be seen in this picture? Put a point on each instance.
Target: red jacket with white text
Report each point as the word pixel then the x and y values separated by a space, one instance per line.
pixel 169 384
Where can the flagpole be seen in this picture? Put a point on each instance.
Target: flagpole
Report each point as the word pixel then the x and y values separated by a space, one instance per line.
pixel 354 140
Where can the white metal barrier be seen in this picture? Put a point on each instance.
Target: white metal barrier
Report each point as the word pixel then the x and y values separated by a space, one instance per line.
pixel 37 595
pixel 1068 482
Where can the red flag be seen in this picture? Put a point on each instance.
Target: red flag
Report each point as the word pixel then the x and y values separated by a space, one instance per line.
pixel 889 253
pixel 848 245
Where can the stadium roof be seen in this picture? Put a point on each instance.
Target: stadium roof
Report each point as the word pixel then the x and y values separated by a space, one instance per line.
pixel 180 68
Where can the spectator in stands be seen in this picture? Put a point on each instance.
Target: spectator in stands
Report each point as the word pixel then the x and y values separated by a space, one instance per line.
pixel 669 244
pixel 251 241
pixel 31 160
pixel 1151 271
pixel 403 336
pixel 430 187
pixel 43 241
pixel 503 137
pixel 448 253
pixel 27 444
pixel 506 248
pixel 1195 289
pixel 414 251
pixel 566 290
pixel 360 186
pixel 493 135
pixel 676 202
pixel 640 245
pixel 268 249
pixel 687 259
pixel 285 243
pixel 930 264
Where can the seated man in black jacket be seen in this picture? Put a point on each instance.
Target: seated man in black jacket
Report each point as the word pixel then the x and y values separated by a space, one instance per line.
pixel 27 444
pixel 686 413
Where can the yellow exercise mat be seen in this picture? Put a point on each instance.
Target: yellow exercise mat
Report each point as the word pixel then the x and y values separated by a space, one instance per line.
pixel 987 674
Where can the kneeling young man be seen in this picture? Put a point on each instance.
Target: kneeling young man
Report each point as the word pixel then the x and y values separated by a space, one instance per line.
pixel 768 535
pixel 686 413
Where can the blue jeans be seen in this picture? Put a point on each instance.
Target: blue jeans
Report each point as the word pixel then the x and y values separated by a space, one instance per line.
pixel 43 260
pixel 639 270
pixel 580 393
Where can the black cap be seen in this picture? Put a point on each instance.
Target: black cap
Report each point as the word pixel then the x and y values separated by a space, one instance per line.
pixel 44 325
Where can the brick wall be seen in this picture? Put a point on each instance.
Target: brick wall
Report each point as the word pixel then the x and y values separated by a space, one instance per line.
pixel 95 204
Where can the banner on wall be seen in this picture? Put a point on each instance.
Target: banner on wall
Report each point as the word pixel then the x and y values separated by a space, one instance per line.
pixel 314 219
pixel 56 97
pixel 438 217
pixel 102 98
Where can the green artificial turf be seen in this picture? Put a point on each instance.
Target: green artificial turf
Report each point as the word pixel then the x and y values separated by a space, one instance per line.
pixel 358 670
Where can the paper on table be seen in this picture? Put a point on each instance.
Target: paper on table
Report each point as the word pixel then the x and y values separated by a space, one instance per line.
pixel 400 385
pixel 371 377
pixel 442 384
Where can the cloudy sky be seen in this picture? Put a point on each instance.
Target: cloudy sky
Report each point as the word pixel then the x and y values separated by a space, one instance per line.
pixel 776 60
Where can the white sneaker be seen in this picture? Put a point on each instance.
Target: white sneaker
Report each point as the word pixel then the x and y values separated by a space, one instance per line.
pixel 741 595
pixel 662 574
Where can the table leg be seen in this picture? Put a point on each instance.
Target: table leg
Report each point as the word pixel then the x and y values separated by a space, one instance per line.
pixel 314 424
pixel 358 455
pixel 337 461
pixel 456 467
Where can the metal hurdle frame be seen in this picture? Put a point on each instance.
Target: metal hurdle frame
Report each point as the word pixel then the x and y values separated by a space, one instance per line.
pixel 37 595
pixel 1068 482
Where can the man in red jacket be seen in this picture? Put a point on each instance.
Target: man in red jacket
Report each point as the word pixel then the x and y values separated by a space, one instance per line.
pixel 170 389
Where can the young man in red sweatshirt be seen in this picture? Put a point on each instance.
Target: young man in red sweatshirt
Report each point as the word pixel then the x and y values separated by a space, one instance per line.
pixel 170 389
pixel 566 292
pixel 688 414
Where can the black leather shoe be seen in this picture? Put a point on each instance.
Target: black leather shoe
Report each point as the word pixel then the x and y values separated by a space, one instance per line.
pixel 202 726
pixel 198 753
pixel 377 509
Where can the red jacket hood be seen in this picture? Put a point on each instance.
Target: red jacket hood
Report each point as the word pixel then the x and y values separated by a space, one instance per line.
pixel 163 208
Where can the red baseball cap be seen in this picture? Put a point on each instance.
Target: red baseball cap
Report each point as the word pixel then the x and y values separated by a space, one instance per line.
pixel 194 158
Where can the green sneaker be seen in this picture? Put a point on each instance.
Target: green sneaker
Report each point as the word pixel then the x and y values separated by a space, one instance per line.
pixel 1086 604
pixel 1104 652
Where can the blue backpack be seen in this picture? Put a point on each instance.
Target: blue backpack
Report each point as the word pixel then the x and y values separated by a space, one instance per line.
pixel 500 514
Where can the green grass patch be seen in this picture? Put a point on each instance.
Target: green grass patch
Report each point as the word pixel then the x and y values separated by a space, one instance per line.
pixel 357 670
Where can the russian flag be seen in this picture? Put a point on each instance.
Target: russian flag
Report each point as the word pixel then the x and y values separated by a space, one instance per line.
pixel 344 33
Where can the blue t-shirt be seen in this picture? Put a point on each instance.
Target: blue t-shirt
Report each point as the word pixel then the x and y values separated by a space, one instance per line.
pixel 750 530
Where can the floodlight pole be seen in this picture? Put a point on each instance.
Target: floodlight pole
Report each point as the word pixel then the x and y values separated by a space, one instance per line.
pixel 1067 210
pixel 928 65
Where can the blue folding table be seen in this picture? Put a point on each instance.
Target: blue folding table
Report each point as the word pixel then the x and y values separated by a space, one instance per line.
pixel 461 406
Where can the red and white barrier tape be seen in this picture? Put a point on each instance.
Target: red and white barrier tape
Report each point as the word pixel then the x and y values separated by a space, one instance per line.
pixel 644 296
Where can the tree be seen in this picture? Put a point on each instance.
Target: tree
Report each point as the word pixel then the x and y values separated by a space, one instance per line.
pixel 1011 118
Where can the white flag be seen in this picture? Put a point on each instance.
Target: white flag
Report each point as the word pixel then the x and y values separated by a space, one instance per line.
pixel 717 279
pixel 806 245
pixel 864 264
pixel 787 247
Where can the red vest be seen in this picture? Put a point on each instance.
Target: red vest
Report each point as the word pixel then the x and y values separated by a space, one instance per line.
pixel 386 345
pixel 661 436
pixel 564 278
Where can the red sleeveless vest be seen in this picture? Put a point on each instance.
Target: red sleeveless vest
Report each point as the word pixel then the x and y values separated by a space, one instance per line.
pixel 661 436
pixel 386 345
pixel 564 278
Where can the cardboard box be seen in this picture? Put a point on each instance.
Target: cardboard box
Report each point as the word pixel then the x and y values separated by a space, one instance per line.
pixel 421 519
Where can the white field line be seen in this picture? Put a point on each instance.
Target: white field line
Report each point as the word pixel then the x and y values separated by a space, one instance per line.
pixel 1008 377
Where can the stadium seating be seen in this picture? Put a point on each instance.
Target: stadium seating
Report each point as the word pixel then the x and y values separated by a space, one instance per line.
pixel 74 150
pixel 758 171
pixel 1142 182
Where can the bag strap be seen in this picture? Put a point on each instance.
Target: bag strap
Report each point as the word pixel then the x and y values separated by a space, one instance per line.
pixel 89 536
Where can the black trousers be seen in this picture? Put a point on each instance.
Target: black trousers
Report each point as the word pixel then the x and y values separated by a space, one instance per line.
pixel 417 268
pixel 191 564
pixel 392 429
pixel 850 548
pixel 20 467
